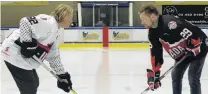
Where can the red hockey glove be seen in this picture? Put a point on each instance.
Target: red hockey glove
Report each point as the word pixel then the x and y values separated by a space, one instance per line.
pixel 194 46
pixel 153 79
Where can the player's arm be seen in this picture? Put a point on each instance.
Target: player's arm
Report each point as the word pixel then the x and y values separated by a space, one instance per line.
pixel 26 28
pixel 192 34
pixel 54 60
pixel 156 62
pixel 156 52
pixel 26 42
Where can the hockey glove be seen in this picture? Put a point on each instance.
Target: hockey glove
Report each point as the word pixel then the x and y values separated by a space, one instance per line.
pixel 153 79
pixel 28 49
pixel 62 84
pixel 193 46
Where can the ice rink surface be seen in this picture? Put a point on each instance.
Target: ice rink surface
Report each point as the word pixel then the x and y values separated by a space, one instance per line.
pixel 101 71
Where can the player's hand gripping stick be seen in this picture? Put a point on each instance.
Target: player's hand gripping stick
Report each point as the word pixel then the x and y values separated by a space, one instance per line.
pixel 53 73
pixel 169 70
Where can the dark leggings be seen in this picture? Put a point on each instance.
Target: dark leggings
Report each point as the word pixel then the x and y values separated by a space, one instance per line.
pixel 26 80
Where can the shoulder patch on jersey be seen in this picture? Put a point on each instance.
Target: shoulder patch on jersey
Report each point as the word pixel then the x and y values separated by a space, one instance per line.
pixel 172 25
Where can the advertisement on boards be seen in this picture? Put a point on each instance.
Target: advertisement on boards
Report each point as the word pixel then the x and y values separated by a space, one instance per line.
pixel 196 14
pixel 90 35
pixel 120 35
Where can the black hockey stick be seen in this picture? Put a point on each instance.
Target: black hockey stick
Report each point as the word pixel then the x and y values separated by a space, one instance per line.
pixel 52 72
pixel 169 70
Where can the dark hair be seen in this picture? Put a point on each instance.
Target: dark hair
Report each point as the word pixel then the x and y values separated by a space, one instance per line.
pixel 149 9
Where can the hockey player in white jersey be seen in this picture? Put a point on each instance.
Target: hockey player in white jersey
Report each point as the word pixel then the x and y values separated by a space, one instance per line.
pixel 37 35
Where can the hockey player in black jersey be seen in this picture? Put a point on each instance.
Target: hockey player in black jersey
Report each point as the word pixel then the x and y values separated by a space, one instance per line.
pixel 177 37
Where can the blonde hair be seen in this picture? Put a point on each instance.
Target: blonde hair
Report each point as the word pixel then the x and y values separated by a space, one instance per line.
pixel 62 11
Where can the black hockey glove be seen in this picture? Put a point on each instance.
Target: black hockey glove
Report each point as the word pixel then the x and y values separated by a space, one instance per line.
pixel 62 84
pixel 28 49
pixel 153 79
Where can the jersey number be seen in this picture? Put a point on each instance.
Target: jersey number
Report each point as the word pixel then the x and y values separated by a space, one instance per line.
pixel 32 20
pixel 186 33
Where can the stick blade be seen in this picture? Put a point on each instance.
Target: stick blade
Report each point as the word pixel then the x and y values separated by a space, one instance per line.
pixel 72 92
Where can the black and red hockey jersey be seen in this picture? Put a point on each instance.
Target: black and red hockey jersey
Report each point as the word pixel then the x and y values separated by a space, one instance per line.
pixel 173 34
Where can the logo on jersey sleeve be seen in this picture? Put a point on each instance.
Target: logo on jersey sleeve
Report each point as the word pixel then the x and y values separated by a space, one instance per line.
pixel 5 51
pixel 172 25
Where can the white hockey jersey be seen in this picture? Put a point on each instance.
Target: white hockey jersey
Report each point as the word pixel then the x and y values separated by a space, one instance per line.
pixel 44 29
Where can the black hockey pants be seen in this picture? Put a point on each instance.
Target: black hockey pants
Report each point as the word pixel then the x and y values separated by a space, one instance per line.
pixel 27 80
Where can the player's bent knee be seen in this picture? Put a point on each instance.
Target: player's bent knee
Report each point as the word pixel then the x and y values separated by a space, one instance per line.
pixel 194 81
pixel 29 91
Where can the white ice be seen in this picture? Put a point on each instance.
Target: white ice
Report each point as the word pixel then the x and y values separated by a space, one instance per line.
pixel 99 71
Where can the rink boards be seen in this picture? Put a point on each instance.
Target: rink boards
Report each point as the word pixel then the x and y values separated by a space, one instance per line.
pixel 122 37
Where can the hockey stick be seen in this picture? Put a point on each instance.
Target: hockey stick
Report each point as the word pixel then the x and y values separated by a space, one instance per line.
pixel 46 67
pixel 52 72
pixel 168 71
